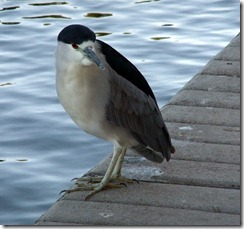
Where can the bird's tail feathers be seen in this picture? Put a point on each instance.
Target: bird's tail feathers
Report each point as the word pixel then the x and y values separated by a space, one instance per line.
pixel 148 153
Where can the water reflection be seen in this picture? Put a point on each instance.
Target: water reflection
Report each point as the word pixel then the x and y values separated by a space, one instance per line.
pixel 48 3
pixel 101 34
pixel 47 16
pixel 14 160
pixel 98 15
pixel 10 23
pixel 9 8
pixel 146 1
pixel 168 24
pixel 159 38
pixel 6 84
pixel 21 160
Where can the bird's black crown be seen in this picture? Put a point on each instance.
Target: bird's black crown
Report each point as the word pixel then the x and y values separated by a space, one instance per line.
pixel 76 34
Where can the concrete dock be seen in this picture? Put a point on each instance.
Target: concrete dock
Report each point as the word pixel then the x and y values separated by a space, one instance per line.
pixel 200 185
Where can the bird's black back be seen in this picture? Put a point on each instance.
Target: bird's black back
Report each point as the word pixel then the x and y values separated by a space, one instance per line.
pixel 125 68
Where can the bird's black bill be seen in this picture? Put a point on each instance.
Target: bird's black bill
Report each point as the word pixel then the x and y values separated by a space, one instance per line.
pixel 93 57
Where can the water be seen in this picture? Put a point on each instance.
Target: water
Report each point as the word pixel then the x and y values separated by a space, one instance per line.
pixel 41 149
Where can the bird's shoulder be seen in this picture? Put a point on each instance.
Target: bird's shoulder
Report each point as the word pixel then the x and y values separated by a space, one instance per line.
pixel 124 68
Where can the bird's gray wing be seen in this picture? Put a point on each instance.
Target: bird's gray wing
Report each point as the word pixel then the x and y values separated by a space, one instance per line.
pixel 131 108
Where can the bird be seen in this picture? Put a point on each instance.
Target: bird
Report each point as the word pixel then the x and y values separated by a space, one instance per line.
pixel 108 97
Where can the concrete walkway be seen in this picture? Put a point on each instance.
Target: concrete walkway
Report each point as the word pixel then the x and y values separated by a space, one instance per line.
pixel 200 185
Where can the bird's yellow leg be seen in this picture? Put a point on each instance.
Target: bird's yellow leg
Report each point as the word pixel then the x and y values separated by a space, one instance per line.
pixel 116 175
pixel 117 169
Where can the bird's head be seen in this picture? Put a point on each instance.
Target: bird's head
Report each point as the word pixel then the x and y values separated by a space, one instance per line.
pixel 76 43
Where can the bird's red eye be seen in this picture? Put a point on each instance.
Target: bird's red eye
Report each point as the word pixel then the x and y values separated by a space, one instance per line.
pixel 75 46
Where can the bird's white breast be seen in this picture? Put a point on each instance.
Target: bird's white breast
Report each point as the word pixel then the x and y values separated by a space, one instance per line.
pixel 83 92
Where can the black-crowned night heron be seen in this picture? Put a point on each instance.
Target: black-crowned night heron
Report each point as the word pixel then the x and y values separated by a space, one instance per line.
pixel 107 96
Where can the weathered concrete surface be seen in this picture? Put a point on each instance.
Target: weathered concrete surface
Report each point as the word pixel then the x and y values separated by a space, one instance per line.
pixel 117 214
pixel 203 115
pixel 201 183
pixel 182 196
pixel 205 152
pixel 218 83
pixel 205 133
pixel 223 67
pixel 178 172
pixel 206 99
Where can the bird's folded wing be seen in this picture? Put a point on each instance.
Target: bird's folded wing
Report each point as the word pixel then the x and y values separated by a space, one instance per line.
pixel 131 108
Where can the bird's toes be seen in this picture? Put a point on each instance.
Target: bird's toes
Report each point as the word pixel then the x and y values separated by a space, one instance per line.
pixel 122 179
pixel 89 180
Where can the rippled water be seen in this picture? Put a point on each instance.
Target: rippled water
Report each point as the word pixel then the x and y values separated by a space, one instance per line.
pixel 41 149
